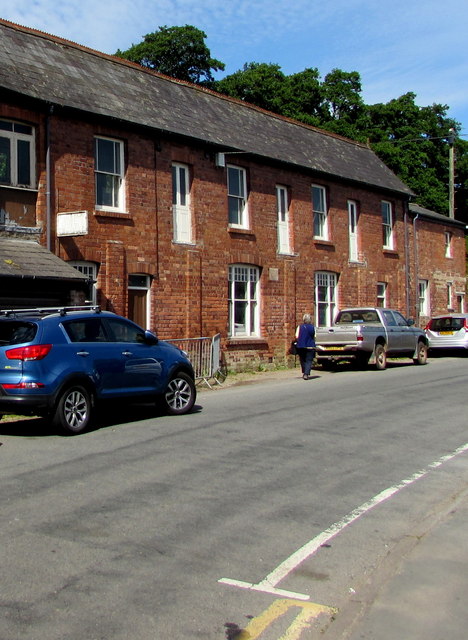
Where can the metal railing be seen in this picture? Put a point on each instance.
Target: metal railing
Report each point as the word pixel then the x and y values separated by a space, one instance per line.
pixel 205 356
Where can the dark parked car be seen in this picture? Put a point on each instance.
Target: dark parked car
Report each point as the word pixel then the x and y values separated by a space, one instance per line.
pixel 448 331
pixel 59 363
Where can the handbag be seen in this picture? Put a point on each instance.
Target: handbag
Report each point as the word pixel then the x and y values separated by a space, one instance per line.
pixel 293 348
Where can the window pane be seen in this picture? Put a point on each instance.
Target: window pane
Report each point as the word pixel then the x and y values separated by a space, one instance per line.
pixel 107 156
pixel 234 205
pixel 234 182
pixel 24 162
pixel 318 199
pixel 106 190
pixel 240 290
pixel 5 160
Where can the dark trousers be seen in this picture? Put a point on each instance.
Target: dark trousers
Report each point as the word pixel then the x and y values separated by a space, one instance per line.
pixel 306 356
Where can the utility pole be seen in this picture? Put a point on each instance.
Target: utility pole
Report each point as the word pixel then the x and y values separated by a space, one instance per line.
pixel 451 141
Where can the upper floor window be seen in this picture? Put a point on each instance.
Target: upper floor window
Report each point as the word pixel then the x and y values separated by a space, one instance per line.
pixel 325 297
pixel 387 225
pixel 237 197
pixel 244 300
pixel 353 230
pixel 282 209
pixel 17 154
pixel 381 294
pixel 181 203
pixel 319 207
pixel 109 171
pixel 448 244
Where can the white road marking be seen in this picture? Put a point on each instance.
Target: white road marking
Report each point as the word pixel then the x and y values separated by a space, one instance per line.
pixel 269 584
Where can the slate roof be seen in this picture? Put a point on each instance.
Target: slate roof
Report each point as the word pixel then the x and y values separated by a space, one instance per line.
pixel 422 212
pixel 63 73
pixel 28 259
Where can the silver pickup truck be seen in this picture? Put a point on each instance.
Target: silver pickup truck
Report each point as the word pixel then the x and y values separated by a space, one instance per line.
pixel 368 336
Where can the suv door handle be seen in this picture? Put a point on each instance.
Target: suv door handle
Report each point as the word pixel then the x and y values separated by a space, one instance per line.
pixel 83 354
pixel 127 353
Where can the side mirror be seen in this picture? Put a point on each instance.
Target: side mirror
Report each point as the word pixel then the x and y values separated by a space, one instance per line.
pixel 410 322
pixel 150 338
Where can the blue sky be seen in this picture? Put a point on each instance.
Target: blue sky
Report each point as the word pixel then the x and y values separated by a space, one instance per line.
pixel 396 45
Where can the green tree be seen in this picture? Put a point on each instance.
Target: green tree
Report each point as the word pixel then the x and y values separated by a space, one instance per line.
pixel 413 142
pixel 179 52
pixel 260 84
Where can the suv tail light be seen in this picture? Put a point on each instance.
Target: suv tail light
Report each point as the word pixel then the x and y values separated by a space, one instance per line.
pixel 33 352
pixel 465 324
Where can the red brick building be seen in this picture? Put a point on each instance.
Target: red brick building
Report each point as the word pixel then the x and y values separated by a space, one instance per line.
pixel 196 214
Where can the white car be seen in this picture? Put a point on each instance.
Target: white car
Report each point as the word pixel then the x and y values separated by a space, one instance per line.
pixel 449 331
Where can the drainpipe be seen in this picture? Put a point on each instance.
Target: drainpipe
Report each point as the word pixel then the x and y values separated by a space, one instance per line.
pixel 407 261
pixel 416 269
pixel 48 183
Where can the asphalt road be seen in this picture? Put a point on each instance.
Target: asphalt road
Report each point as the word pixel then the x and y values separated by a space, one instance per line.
pixel 260 515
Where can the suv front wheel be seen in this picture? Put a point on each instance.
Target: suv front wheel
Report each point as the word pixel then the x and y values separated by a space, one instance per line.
pixel 180 394
pixel 73 411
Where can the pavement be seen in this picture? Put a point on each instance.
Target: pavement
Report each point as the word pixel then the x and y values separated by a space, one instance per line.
pixel 423 592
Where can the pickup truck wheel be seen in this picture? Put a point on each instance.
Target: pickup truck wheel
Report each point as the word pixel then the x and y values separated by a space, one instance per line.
pixel 421 357
pixel 380 357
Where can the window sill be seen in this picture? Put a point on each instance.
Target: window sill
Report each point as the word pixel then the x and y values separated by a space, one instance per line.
pixel 323 242
pixel 391 253
pixel 241 232
pixel 187 243
pixel 13 187
pixel 103 213
pixel 248 341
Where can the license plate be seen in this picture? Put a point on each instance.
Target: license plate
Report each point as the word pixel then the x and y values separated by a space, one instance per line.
pixel 445 333
pixel 334 348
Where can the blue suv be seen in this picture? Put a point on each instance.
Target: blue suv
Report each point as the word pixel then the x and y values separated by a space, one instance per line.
pixel 59 363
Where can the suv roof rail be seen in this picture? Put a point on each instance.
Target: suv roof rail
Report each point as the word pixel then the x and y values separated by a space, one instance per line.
pixel 46 310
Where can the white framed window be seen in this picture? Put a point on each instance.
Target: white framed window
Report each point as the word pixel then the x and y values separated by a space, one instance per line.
pixel 109 174
pixel 181 210
pixel 381 294
pixel 448 244
pixel 423 297
pixel 17 154
pixel 237 197
pixel 387 225
pixel 244 282
pixel 320 211
pixel 139 285
pixel 90 270
pixel 282 209
pixel 449 294
pixel 325 297
pixel 353 231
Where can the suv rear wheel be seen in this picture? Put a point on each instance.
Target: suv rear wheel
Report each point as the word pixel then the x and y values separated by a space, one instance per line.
pixel 73 412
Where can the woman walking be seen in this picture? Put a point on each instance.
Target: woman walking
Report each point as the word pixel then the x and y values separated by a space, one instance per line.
pixel 305 334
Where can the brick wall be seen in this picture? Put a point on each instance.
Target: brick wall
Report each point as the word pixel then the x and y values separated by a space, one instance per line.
pixel 189 290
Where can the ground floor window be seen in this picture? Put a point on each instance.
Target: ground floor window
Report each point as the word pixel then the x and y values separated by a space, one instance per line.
pixel 423 297
pixel 138 299
pixel 325 297
pixel 89 269
pixel 381 294
pixel 243 300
